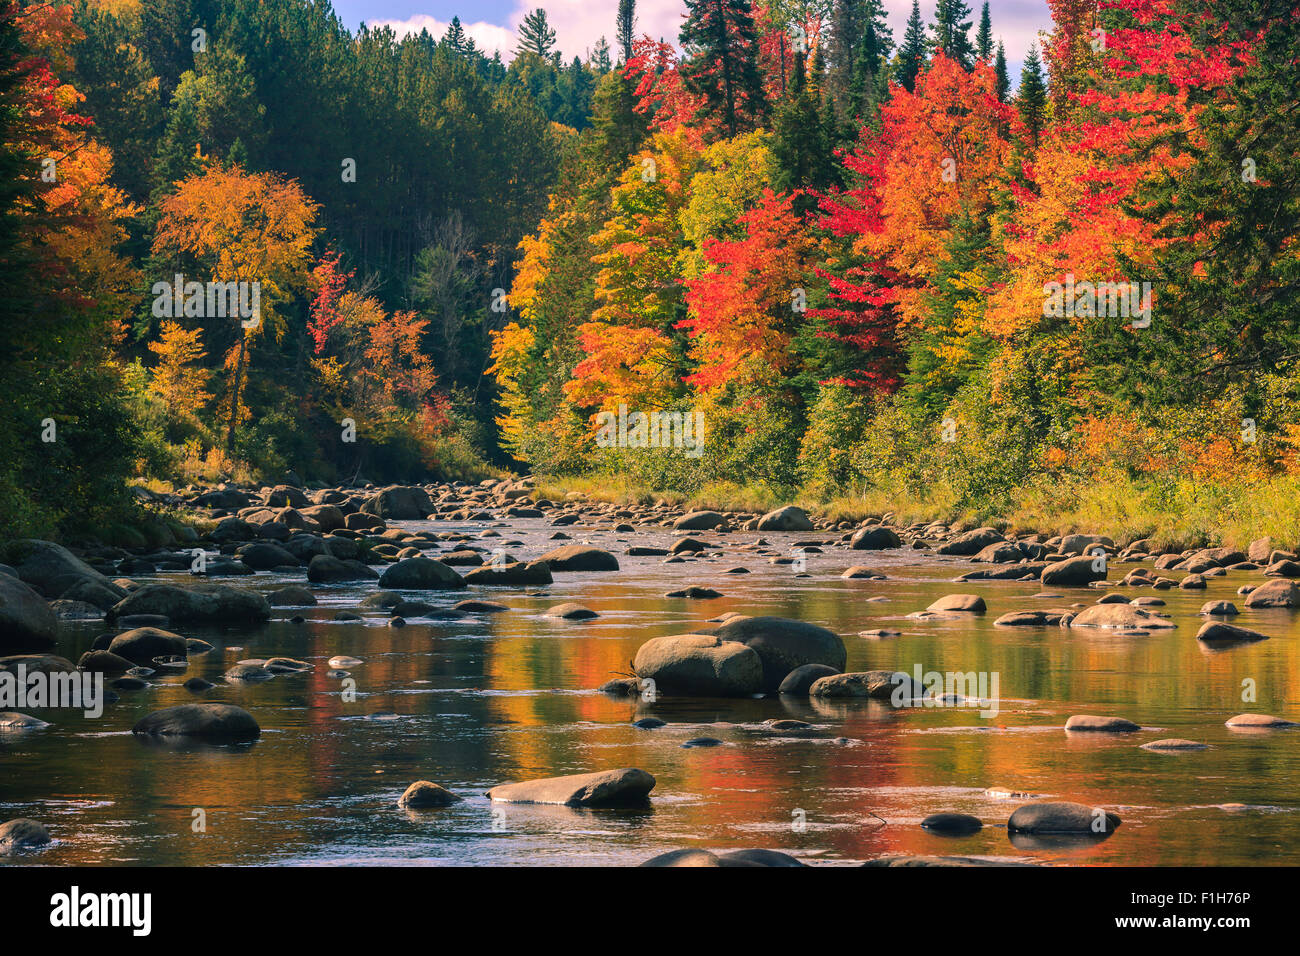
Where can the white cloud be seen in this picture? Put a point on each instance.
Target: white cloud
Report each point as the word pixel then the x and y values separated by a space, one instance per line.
pixel 486 36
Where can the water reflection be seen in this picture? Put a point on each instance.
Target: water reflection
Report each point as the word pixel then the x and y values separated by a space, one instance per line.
pixel 493 698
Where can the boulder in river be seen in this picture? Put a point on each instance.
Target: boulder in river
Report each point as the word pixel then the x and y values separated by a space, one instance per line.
pixel 1124 616
pixel 1062 817
pixel 628 786
pixel 873 685
pixel 400 503
pixel 12 721
pixel 142 644
pixel 325 568
pixel 699 521
pixel 799 680
pixel 860 572
pixel 736 858
pixel 26 621
pixel 788 518
pixel 959 602
pixel 1258 722
pixel 580 557
pixel 1174 744
pixel 972 542
pixel 48 567
pixel 295 595
pixel 210 721
pixel 1278 593
pixel 571 611
pixel 1091 723
pixel 201 604
pixel 424 795
pixel 783 644
pixel 952 824
pixel 420 574
pixel 1217 633
pixel 1074 571
pixel 513 574
pixel 699 665
pixel 874 538
pixel 22 834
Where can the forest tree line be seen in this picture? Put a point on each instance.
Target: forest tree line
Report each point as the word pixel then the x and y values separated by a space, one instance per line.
pixel 828 235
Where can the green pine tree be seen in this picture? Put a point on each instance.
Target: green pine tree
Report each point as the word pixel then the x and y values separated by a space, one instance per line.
pixel 1031 99
pixel 1000 70
pixel 536 35
pixel 626 28
pixel 912 53
pixel 984 35
pixel 720 45
pixel 951 32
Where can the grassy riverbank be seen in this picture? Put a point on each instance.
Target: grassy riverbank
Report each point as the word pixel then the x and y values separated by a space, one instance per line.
pixel 1175 514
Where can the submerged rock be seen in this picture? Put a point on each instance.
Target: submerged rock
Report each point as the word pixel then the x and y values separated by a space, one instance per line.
pixel 952 824
pixel 214 721
pixel 424 794
pixel 22 834
pixel 1108 725
pixel 1062 817
pixel 706 858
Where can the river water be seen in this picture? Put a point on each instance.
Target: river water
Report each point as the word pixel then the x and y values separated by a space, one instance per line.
pixel 511 696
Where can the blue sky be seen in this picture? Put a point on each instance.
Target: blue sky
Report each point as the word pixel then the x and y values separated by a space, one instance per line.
pixel 580 23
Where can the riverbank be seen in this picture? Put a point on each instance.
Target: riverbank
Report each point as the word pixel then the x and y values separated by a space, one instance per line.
pixel 1175 514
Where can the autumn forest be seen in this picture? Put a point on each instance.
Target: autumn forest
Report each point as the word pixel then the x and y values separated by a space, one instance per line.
pixel 881 272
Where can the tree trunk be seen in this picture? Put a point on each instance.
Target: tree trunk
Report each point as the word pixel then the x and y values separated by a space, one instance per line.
pixel 234 398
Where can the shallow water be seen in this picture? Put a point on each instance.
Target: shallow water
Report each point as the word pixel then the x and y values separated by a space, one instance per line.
pixel 511 696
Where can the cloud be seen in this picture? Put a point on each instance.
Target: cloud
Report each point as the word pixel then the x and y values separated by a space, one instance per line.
pixel 486 36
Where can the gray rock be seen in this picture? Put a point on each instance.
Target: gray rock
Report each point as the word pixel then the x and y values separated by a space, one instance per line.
pixel 958 602
pixel 1062 817
pixel 143 644
pixel 626 787
pixel 699 665
pixel 1072 572
pixel 420 574
pixel 292 596
pixel 972 542
pixel 873 685
pixel 22 834
pixel 874 538
pixel 424 794
pixel 706 858
pixel 326 568
pixel 26 621
pixel 788 518
pixel 1279 593
pixel 571 611
pixel 201 604
pixel 518 573
pixel 212 721
pixel 1219 633
pixel 783 644
pixel 1119 616
pixel 1080 723
pixel 580 557
pixel 799 680
pixel 952 824
pixel 699 521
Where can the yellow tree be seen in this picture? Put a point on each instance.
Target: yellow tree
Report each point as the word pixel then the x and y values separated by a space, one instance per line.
pixel 242 227
pixel 180 379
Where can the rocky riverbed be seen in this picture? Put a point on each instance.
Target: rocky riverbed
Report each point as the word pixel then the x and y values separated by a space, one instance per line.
pixel 466 674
